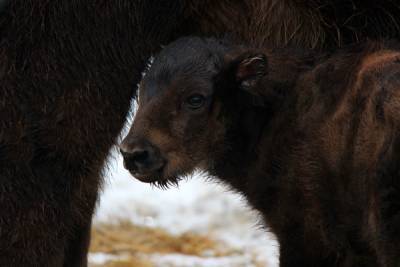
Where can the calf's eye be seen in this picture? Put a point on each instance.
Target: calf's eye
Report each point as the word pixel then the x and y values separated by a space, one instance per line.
pixel 195 101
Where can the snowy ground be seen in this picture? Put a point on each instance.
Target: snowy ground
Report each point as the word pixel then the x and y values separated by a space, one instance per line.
pixel 197 206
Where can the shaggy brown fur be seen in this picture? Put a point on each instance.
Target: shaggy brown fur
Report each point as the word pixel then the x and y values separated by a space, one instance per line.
pixel 310 23
pixel 68 72
pixel 311 140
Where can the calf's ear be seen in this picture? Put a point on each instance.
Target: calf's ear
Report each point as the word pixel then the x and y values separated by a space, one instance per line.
pixel 249 70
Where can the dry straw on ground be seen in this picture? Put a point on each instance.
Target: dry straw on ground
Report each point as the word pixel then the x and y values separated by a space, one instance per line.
pixel 132 242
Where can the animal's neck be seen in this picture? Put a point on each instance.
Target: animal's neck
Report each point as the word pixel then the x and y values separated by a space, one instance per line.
pixel 250 162
pixel 249 169
pixel 259 137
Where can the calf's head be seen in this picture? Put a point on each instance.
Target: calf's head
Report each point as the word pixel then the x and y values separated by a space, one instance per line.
pixel 187 100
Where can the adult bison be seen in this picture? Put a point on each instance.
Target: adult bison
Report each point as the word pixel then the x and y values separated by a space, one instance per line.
pixel 68 72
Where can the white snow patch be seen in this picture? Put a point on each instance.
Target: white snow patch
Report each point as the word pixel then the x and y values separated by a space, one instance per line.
pixel 179 260
pixel 197 206
pixel 101 258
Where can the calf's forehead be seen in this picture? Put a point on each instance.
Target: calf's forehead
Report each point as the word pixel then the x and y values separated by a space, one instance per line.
pixel 174 85
pixel 156 91
pixel 153 85
pixel 180 61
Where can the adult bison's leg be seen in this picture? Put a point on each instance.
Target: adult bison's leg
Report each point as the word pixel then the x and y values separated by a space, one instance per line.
pixel 68 72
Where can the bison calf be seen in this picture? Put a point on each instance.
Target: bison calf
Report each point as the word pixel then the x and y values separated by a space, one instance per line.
pixel 311 140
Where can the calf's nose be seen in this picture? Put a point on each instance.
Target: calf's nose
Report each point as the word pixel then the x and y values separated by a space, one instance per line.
pixel 140 157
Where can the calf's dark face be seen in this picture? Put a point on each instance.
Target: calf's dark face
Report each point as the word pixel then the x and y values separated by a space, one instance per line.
pixel 179 125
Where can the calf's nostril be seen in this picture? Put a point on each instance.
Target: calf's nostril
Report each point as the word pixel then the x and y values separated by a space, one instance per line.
pixel 139 155
pixel 135 154
pixel 137 159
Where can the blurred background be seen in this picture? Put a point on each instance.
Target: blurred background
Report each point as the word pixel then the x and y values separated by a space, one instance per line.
pixel 201 223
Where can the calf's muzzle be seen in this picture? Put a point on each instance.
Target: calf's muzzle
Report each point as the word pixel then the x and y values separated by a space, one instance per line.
pixel 142 159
